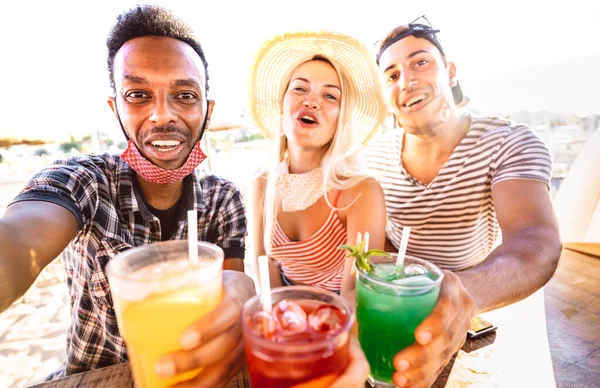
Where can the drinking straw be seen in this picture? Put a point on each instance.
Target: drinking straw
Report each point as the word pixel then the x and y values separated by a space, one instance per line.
pixel 192 216
pixel 352 268
pixel 403 245
pixel 265 283
pixel 366 246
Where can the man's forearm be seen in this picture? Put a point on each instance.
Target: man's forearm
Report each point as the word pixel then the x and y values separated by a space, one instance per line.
pixel 514 270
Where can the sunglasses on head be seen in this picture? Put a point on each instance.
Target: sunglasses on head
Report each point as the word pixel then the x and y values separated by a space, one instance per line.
pixel 419 30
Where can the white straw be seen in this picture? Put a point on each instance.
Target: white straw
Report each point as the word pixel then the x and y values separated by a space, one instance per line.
pixel 352 267
pixel 366 246
pixel 265 283
pixel 403 245
pixel 193 236
pixel 352 260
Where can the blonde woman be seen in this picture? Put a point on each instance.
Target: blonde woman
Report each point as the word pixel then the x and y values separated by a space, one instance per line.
pixel 317 95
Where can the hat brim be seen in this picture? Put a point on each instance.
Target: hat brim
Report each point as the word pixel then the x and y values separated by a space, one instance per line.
pixel 279 57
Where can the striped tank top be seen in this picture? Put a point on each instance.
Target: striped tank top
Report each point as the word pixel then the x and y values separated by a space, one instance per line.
pixel 317 261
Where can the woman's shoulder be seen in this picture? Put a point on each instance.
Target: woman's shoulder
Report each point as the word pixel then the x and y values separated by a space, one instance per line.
pixel 364 192
pixel 369 183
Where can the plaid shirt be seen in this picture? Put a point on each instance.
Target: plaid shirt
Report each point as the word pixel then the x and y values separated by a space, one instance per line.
pixel 112 217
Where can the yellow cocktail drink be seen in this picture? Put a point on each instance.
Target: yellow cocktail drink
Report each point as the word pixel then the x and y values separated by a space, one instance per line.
pixel 154 303
pixel 151 328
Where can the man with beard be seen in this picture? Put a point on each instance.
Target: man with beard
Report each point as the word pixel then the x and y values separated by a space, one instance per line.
pixel 458 181
pixel 92 207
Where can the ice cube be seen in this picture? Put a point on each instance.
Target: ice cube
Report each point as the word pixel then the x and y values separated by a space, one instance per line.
pixel 301 337
pixel 290 316
pixel 386 272
pixel 262 324
pixel 415 270
pixel 327 319
pixel 415 280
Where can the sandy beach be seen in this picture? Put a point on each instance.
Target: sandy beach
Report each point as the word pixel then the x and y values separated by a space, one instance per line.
pixel 33 330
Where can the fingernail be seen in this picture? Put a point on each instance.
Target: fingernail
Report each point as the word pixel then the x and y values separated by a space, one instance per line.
pixel 424 338
pixel 403 365
pixel 400 381
pixel 190 339
pixel 165 368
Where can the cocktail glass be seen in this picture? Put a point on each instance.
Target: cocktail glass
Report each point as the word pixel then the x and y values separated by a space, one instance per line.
pixel 157 293
pixel 390 306
pixel 303 343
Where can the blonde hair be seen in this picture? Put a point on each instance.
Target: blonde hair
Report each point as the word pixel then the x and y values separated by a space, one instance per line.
pixel 341 169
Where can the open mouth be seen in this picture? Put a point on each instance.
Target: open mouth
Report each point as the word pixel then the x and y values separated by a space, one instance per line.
pixel 165 145
pixel 414 101
pixel 308 119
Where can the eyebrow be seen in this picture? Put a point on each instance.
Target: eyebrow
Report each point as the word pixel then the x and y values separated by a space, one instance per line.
pixel 135 79
pixel 186 82
pixel 416 53
pixel 179 82
pixel 409 56
pixel 326 85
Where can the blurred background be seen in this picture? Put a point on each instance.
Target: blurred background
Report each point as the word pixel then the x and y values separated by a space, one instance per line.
pixel 535 62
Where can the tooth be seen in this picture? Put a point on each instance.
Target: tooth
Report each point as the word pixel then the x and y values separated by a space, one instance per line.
pixel 165 143
pixel 413 101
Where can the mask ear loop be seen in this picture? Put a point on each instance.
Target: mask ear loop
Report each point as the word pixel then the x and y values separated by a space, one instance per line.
pixel 207 145
pixel 119 120
pixel 205 123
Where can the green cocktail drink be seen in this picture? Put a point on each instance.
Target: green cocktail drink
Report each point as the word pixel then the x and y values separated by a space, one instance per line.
pixel 390 303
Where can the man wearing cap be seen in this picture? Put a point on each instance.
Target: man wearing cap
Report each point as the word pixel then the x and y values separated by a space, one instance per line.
pixel 458 181
pixel 91 207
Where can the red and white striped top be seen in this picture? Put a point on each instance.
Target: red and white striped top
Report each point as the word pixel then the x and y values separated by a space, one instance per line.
pixel 317 261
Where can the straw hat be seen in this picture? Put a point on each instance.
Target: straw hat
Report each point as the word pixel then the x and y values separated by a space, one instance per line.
pixel 278 58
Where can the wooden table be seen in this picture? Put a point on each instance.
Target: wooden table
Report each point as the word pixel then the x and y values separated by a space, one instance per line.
pixel 517 355
pixel 118 376
pixel 497 359
pixel 573 318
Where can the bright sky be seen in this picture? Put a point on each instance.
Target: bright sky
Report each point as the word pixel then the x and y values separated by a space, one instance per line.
pixel 511 55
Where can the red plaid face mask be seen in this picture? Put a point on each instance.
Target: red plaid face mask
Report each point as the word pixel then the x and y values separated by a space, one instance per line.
pixel 155 174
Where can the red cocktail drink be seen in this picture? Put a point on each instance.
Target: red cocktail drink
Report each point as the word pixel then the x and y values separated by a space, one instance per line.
pixel 302 342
